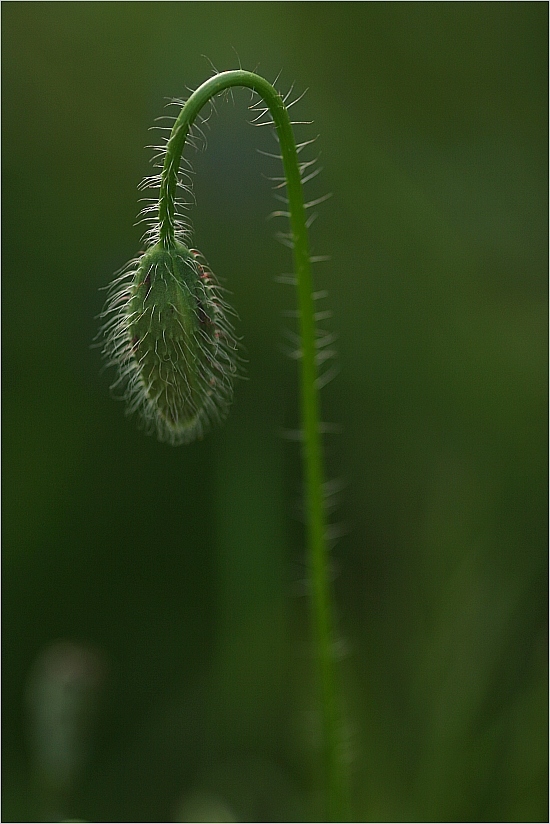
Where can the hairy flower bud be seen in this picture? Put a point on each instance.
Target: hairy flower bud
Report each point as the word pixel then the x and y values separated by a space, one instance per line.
pixel 168 334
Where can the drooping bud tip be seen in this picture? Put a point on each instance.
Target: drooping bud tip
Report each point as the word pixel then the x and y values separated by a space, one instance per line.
pixel 168 333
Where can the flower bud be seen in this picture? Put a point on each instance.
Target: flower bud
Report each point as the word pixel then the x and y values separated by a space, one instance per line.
pixel 169 336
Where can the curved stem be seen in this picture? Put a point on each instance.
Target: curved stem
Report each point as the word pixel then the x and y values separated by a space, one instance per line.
pixel 333 778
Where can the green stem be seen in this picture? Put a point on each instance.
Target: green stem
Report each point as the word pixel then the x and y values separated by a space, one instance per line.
pixel 333 768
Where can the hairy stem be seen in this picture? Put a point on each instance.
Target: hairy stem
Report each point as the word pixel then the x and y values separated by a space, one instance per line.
pixel 333 767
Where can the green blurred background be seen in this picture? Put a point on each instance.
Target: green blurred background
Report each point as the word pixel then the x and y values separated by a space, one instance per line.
pixel 178 575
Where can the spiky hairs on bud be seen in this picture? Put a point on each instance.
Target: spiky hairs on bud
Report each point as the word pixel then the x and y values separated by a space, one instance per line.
pixel 168 334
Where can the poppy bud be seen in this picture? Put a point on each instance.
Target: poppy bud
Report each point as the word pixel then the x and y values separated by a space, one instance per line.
pixel 169 336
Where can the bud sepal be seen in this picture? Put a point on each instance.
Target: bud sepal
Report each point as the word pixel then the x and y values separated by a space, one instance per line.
pixel 169 335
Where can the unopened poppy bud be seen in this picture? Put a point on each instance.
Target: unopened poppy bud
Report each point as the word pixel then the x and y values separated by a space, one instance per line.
pixel 169 335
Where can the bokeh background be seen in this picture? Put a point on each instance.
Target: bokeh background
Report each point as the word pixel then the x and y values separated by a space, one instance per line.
pixel 156 650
